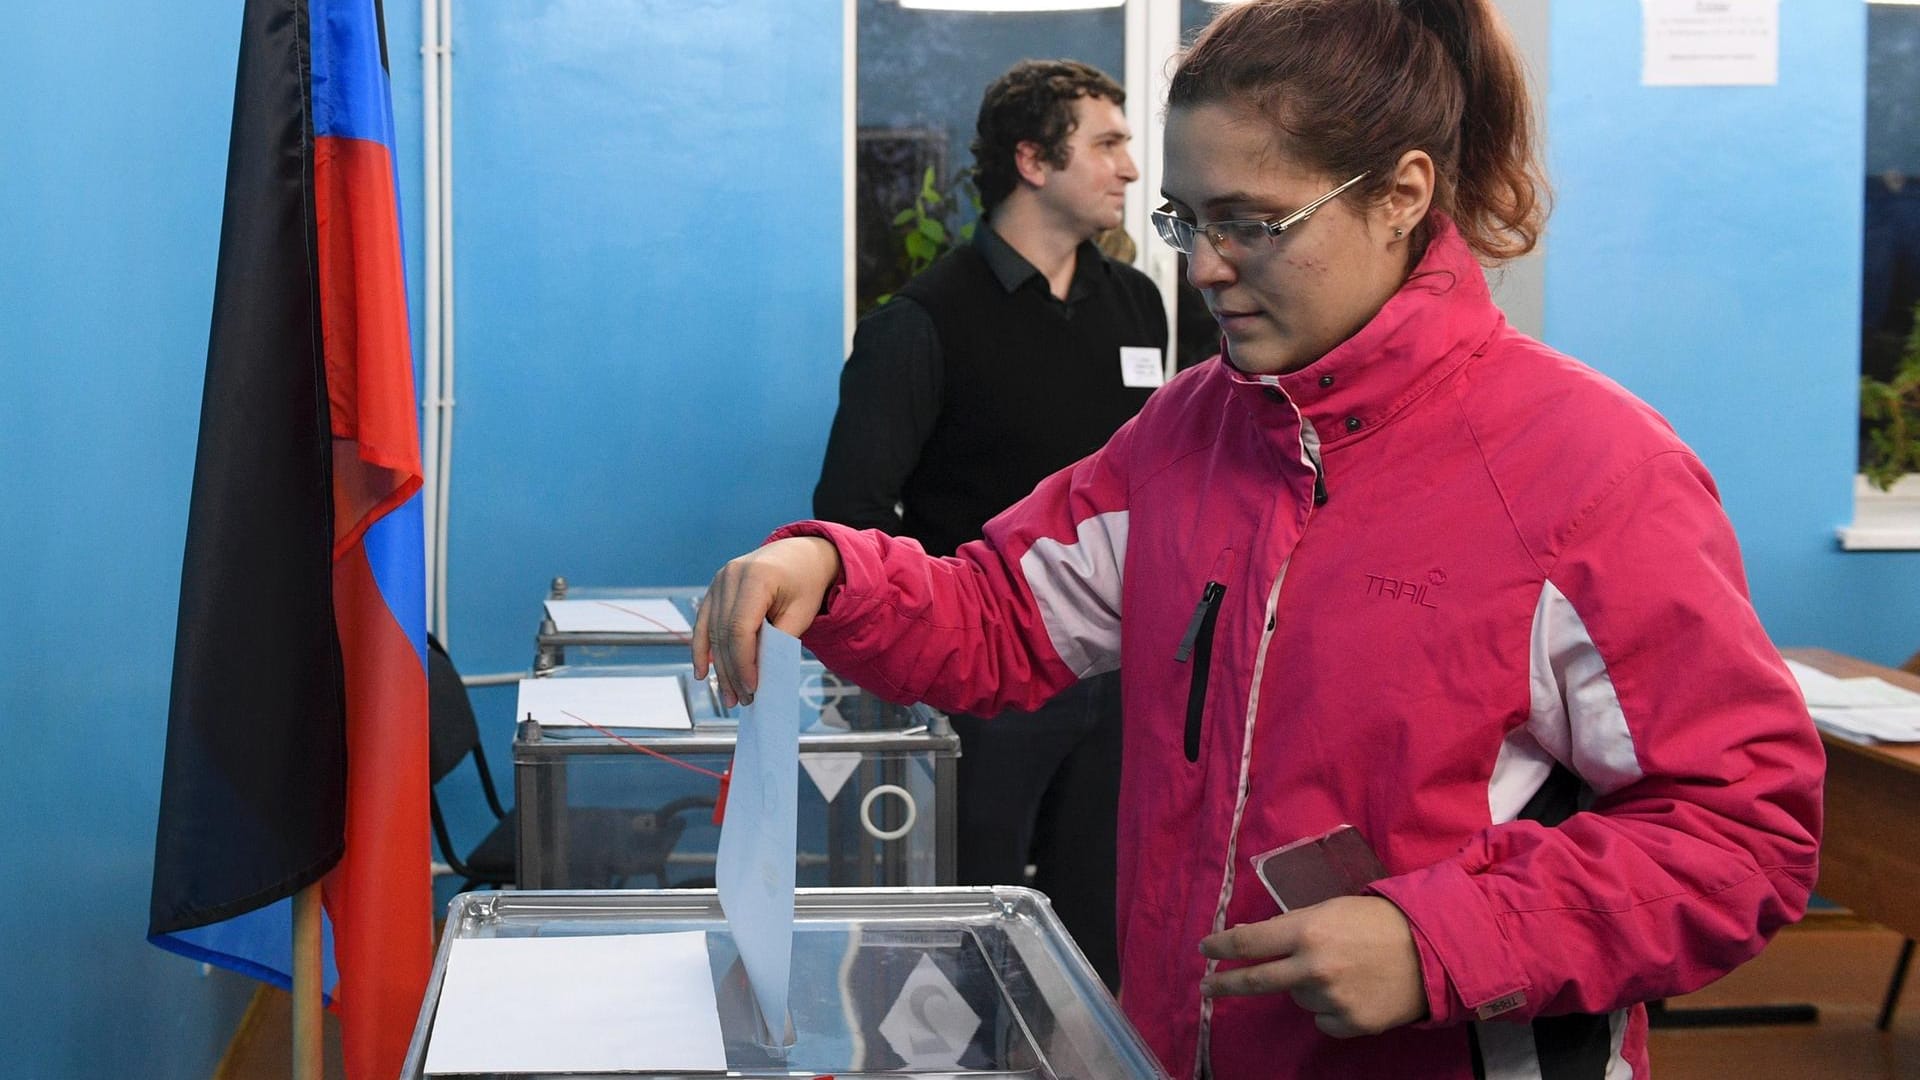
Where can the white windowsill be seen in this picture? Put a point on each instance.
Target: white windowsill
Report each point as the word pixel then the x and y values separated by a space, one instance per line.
pixel 1884 520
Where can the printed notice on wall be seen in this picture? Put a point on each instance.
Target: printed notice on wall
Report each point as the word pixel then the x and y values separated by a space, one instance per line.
pixel 1710 42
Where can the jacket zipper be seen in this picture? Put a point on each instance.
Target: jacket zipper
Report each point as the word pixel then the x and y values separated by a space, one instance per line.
pixel 1203 1052
pixel 1199 640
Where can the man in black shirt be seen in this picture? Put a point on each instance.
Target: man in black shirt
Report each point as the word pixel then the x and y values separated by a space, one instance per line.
pixel 1007 360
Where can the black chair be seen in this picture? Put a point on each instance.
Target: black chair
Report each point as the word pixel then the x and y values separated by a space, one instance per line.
pixel 605 845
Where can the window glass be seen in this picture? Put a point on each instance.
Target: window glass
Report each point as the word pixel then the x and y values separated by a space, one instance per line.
pixel 1195 14
pixel 1891 274
pixel 920 77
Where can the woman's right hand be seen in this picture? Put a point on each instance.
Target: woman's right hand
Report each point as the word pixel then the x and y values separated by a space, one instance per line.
pixel 783 583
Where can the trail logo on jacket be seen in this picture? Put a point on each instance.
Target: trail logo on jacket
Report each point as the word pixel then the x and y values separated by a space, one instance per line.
pixel 1389 588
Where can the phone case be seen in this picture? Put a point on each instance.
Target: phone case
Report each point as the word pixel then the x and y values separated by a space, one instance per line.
pixel 1338 862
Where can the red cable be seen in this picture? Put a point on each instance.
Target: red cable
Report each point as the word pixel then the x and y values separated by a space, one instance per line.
pixel 668 758
pixel 677 636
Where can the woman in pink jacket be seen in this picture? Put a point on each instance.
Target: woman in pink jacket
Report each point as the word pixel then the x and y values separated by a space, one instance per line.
pixel 1385 562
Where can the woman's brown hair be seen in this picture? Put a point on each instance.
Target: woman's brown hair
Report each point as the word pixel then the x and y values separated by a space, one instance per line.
pixel 1357 83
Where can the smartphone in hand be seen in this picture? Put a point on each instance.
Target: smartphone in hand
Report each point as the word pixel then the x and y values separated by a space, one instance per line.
pixel 1337 862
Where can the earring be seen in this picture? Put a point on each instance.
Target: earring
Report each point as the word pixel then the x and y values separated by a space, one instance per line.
pixel 1398 232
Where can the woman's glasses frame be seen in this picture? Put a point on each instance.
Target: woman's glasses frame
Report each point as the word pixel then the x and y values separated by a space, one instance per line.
pixel 1237 237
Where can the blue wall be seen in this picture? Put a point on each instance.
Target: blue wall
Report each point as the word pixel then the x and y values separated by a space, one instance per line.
pixel 648 296
pixel 650 328
pixel 649 305
pixel 1705 252
pixel 114 131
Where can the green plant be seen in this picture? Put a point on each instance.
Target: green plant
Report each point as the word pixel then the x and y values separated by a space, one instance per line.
pixel 932 226
pixel 1891 410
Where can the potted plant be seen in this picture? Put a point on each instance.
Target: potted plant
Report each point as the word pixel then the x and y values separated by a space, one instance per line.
pixel 1890 410
pixel 933 225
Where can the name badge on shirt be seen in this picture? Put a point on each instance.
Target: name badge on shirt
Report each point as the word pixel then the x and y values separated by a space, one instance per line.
pixel 1140 366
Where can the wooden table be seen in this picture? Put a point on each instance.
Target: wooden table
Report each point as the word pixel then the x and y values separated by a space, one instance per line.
pixel 1870 849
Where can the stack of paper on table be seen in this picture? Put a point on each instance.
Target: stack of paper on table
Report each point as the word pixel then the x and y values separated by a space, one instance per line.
pixel 611 701
pixel 648 616
pixel 1865 710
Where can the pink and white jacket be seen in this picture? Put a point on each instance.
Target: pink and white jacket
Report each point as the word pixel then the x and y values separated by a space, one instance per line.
pixel 1445 585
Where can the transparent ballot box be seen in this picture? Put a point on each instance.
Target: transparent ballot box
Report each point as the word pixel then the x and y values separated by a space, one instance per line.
pixel 978 982
pixel 633 807
pixel 628 618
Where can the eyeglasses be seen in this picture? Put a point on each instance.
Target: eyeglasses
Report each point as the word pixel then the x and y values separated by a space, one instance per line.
pixel 1241 237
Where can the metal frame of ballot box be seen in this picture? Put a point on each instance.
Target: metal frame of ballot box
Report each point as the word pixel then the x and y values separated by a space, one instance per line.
pixel 550 645
pixel 862 851
pixel 950 983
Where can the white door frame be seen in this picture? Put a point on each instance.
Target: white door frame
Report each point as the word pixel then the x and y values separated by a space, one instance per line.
pixel 1153 37
pixel 849 164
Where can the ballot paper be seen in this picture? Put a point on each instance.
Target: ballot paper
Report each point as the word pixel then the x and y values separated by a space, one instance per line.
pixel 612 701
pixel 613 616
pixel 759 833
pixel 618 1003
pixel 1866 710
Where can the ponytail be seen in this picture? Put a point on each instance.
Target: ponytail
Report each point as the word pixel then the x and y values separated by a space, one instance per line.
pixel 1501 196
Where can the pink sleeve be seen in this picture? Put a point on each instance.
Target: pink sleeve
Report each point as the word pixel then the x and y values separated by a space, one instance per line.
pixel 1664 694
pixel 1006 622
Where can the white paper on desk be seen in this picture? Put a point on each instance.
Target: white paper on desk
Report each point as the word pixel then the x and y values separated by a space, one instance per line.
pixel 627 1002
pixel 648 616
pixel 613 701
pixel 759 834
pixel 1824 690
pixel 1871 723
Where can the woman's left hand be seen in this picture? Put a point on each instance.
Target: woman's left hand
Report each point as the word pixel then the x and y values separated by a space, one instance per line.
pixel 1350 961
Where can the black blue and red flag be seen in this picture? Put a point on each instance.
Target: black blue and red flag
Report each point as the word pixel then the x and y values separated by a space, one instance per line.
pixel 297 728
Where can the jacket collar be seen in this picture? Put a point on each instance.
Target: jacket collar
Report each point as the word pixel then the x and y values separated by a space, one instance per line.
pixel 1438 319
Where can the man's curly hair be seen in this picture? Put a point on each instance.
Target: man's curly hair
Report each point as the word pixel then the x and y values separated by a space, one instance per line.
pixel 1033 102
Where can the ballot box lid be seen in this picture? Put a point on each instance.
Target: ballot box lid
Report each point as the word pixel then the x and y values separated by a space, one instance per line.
pixel 836 716
pixel 950 982
pixel 644 631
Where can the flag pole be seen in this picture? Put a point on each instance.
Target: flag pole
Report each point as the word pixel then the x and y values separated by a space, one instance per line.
pixel 309 1057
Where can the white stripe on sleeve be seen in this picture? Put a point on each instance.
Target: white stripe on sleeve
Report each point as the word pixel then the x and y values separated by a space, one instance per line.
pixel 1078 588
pixel 1576 715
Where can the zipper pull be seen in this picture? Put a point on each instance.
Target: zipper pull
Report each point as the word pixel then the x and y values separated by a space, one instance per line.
pixel 1319 488
pixel 1208 598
